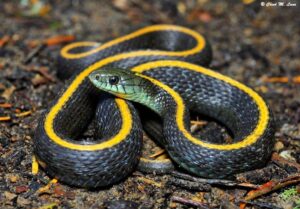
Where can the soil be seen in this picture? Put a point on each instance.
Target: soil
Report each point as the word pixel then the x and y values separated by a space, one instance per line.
pixel 253 43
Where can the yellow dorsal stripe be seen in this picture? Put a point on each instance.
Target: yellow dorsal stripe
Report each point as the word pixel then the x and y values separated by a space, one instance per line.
pixel 200 42
pixel 262 107
pixel 124 131
pixel 123 107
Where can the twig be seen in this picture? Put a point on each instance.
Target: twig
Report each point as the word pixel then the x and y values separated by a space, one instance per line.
pixel 4 40
pixel 272 186
pixel 158 153
pixel 269 187
pixel 198 122
pixel 190 185
pixel 23 114
pixel 149 181
pixel 47 187
pixel 55 40
pixel 5 118
pixel 18 115
pixel 221 182
pixel 283 79
pixel 34 53
pixel 196 125
pixel 189 202
pixel 59 39
pixel 44 71
pixel 280 161
pixel 260 204
pixel 6 105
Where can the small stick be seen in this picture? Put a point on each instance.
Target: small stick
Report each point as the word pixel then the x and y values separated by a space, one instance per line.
pixel 189 202
pixel 269 187
pixel 47 187
pixel 158 153
pixel 149 181
pixel 18 115
pixel 52 41
pixel 276 158
pixel 260 204
pixel 196 125
pixel 23 114
pixel 213 181
pixel 6 105
pixel 190 185
pixel 34 52
pixel 283 79
pixel 59 39
pixel 5 118
pixel 198 122
pixel 4 40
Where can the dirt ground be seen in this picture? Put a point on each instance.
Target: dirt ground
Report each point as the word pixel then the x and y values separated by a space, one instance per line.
pixel 256 44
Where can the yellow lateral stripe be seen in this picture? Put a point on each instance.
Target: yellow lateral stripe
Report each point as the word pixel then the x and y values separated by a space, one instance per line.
pixel 262 107
pixel 124 131
pixel 124 109
pixel 199 39
pixel 155 160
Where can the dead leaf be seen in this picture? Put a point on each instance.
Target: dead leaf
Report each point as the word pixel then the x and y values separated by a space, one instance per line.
pixel 8 92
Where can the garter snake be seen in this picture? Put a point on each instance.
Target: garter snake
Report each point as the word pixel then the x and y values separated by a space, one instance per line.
pixel 169 57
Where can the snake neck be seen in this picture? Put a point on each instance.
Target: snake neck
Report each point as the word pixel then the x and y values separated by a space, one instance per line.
pixel 153 98
pixel 157 100
pixel 166 107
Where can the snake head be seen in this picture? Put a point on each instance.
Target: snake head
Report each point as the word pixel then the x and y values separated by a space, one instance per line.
pixel 127 85
pixel 121 83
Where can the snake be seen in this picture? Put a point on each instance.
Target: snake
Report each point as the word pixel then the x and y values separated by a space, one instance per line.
pixel 165 68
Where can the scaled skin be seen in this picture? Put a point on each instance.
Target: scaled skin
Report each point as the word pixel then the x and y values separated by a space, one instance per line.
pixel 127 85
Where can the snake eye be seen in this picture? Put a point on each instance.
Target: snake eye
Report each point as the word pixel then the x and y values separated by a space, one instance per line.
pixel 97 77
pixel 113 80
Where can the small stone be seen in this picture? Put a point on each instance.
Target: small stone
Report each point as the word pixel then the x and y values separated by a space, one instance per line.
pixel 287 154
pixel 4 142
pixel 22 202
pixel 59 191
pixel 173 205
pixel 9 196
pixel 248 32
pixel 14 179
pixel 14 138
pixel 278 146
pixel 21 189
pixel 70 195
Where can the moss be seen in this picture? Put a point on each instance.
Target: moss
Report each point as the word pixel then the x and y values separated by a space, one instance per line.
pixel 288 193
pixel 291 194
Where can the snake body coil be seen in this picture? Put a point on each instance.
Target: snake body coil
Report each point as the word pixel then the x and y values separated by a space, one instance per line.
pixel 167 57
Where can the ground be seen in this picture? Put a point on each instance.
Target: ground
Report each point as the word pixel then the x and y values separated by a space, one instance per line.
pixel 254 43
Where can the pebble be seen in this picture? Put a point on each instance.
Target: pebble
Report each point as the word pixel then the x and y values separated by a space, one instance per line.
pixel 278 146
pixel 21 189
pixel 9 196
pixel 287 154
pixel 21 201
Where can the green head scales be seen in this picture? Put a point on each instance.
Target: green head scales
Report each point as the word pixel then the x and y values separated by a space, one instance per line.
pixel 127 85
